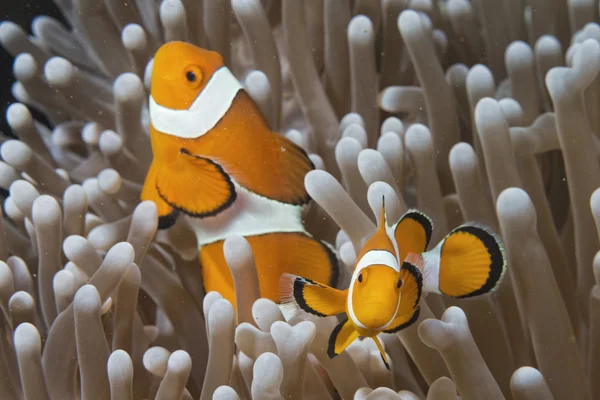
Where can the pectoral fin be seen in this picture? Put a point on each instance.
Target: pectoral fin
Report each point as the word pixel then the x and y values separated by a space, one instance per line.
pixel 195 185
pixel 167 215
pixel 412 287
pixel 312 297
pixel 341 337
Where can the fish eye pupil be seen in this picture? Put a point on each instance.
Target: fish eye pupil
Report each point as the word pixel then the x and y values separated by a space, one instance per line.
pixel 399 284
pixel 360 278
pixel 190 76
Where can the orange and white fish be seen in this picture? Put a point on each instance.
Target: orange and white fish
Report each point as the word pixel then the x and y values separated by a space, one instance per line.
pixel 392 274
pixel 217 164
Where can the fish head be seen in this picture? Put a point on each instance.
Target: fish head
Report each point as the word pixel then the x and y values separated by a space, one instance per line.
pixel 375 296
pixel 182 177
pixel 180 72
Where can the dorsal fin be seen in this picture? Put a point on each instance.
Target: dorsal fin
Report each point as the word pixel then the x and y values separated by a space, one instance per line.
pixel 382 216
pixel 380 239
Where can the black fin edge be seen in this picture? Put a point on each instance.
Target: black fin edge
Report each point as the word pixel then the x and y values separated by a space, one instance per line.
pixel 495 249
pixel 331 346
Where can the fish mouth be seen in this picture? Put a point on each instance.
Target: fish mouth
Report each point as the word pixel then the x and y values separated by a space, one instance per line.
pixel 394 315
pixel 385 317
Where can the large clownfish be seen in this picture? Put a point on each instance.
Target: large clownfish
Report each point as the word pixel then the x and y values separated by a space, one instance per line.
pixel 392 274
pixel 217 164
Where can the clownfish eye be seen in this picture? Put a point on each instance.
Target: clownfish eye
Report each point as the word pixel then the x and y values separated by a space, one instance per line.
pixel 190 76
pixel 193 76
pixel 399 284
pixel 360 278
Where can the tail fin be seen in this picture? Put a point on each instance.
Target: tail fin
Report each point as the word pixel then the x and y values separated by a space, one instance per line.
pixel 468 262
pixel 311 297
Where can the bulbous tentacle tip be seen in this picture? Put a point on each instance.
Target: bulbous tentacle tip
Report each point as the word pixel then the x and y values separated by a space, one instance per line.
pixel 120 367
pixel 27 339
pixel 155 360
pixel 514 207
pixel 128 87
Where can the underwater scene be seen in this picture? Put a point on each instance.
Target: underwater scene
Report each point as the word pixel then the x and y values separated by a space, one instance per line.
pixel 300 199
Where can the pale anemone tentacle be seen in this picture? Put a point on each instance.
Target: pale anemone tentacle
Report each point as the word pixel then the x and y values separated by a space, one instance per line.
pixel 76 149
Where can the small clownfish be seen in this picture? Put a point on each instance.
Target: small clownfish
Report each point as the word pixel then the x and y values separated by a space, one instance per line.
pixel 217 164
pixel 393 273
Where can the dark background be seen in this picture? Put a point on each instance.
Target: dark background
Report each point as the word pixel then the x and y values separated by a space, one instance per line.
pixel 22 13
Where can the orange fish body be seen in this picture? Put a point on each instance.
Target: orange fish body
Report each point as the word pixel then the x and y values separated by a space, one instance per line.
pixel 392 273
pixel 217 164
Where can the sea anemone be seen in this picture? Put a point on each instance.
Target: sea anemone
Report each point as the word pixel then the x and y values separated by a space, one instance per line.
pixel 483 111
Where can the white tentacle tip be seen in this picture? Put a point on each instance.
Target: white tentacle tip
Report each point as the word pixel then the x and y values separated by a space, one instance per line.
pixel 134 37
pixel 459 7
pixel 121 254
pixel 514 207
pixel 418 138
pixel 146 213
pixel 225 393
pixel 238 253
pixel 462 157
pixel 360 30
pixel 128 87
pixel 172 13
pixel 109 181
pixel 595 204
pixel 409 22
pixel 180 362
pixel 518 52
pixel 16 153
pixel 155 360
pixel 59 72
pixel 488 114
pixel 87 300
pixel 586 63
pixel 269 369
pixel 351 118
pixel 46 211
pixel 548 44
pixel 221 317
pixel 110 142
pixel 27 339
pixel 120 367
pixel 18 116
pixel 530 383
pixel 440 334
